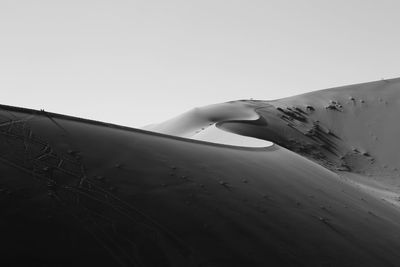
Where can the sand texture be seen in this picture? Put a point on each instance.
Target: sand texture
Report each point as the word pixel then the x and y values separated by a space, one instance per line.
pixel 76 192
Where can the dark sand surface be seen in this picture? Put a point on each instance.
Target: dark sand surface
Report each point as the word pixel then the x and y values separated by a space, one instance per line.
pixel 75 192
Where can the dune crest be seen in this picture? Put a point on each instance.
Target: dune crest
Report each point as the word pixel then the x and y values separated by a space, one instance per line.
pixel 204 124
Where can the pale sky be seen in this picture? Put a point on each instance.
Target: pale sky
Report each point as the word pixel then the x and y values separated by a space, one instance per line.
pixel 140 62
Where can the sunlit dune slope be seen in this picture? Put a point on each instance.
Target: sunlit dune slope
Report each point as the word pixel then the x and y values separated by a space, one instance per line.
pixel 78 192
pixel 202 124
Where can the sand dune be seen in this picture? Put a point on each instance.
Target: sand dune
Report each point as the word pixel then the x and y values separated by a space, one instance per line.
pixel 351 128
pixel 79 192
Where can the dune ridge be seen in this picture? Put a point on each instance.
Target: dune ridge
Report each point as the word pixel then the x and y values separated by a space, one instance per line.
pixel 203 124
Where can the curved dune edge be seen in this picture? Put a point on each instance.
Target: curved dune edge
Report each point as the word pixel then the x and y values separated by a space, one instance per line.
pixel 216 134
pixel 203 124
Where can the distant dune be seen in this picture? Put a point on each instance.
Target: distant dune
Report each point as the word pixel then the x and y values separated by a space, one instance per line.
pixel 76 192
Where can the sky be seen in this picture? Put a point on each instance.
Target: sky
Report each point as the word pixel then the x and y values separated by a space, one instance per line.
pixel 135 63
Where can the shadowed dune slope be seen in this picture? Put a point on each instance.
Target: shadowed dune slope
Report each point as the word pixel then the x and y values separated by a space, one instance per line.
pixel 78 192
